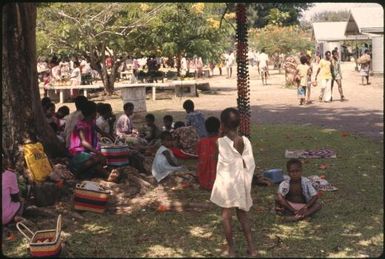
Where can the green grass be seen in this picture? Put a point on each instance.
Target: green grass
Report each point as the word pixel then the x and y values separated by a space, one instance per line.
pixel 350 224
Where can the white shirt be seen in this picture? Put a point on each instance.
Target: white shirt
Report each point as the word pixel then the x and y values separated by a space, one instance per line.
pixel 263 58
pixel 230 60
pixel 76 77
pixel 103 124
pixel 160 166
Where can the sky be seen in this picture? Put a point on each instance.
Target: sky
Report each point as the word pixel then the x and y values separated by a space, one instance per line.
pixel 320 7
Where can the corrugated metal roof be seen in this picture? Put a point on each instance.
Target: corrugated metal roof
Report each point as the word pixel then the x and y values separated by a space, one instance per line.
pixel 369 19
pixel 329 31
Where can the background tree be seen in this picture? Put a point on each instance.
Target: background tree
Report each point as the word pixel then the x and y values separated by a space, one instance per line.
pixel 276 39
pixel 23 118
pixel 330 16
pixel 92 30
pixel 191 29
pixel 260 14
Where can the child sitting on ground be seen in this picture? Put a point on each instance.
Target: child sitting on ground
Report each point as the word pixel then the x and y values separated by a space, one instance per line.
pixel 102 120
pixel 186 139
pixel 164 162
pixel 124 127
pixel 195 118
pixel 50 115
pixel 232 186
pixel 12 207
pixel 207 152
pixel 296 196
pixel 111 118
pixel 168 122
pixel 61 114
pixel 150 132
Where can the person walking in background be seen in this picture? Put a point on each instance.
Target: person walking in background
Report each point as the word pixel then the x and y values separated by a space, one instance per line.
pixel 308 85
pixel 325 72
pixel 314 69
pixel 303 72
pixel 336 75
pixel 364 60
pixel 230 59
pixel 263 66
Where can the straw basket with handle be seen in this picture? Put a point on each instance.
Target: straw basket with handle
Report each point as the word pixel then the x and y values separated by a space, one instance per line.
pixel 43 243
pixel 90 196
pixel 116 154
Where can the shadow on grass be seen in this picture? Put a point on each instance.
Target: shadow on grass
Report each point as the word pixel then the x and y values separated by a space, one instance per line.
pixel 364 122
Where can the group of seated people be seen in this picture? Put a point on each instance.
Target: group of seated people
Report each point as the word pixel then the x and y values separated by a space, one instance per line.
pixel 196 138
pixel 82 131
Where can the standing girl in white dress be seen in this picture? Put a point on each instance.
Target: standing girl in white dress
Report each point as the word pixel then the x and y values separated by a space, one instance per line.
pixel 232 186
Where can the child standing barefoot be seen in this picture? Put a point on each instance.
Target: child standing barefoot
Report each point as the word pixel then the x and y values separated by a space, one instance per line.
pixel 232 185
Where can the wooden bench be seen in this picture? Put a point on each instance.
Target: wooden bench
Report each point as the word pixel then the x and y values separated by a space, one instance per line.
pixel 62 89
pixel 178 85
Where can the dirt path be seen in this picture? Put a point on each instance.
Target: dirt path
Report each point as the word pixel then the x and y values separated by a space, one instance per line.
pixel 362 113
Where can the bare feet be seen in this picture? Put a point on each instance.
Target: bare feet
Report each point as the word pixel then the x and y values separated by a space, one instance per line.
pixel 291 219
pixel 229 252
pixel 253 253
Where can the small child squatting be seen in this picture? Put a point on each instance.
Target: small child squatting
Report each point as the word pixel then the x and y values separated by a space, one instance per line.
pixel 296 196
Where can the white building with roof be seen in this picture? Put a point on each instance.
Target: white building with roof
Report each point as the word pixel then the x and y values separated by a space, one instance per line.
pixel 369 22
pixel 328 35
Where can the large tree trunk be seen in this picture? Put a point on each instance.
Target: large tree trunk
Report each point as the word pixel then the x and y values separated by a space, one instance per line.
pixel 23 118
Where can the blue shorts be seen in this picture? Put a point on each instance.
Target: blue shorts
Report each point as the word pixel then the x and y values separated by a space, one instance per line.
pixel 301 91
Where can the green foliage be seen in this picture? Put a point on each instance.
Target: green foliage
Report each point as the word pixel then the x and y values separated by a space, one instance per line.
pixel 83 27
pixel 291 39
pixel 261 14
pixel 330 16
pixel 277 17
pixel 191 29
pixel 134 28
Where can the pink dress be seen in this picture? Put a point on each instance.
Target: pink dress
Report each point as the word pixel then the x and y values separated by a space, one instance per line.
pixel 88 127
pixel 9 186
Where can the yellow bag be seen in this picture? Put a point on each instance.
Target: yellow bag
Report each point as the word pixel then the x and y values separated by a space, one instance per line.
pixel 37 161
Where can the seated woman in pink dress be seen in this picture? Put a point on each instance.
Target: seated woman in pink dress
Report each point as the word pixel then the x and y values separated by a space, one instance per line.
pixel 87 160
pixel 12 207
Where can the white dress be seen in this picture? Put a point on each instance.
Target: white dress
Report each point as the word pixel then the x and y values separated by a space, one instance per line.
pixel 232 184
pixel 160 166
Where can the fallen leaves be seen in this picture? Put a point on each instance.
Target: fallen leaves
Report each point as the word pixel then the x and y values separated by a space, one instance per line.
pixel 323 166
pixel 345 134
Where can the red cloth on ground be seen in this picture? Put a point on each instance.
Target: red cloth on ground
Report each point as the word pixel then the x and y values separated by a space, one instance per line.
pixel 207 161
pixel 179 153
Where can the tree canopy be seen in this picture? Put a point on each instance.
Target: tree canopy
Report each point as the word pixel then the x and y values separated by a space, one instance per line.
pixel 330 16
pixel 276 39
pixel 262 14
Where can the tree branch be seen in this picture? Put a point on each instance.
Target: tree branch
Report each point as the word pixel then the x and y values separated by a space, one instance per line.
pixel 223 15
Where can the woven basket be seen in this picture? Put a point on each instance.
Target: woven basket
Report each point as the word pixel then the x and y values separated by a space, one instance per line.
pixel 90 200
pixel 115 154
pixel 43 243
